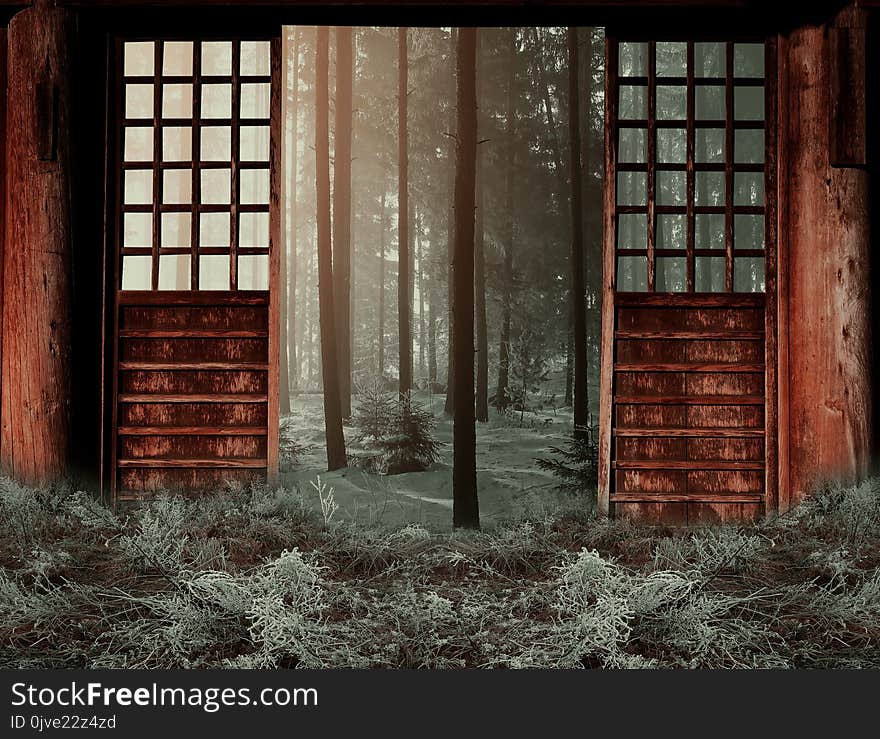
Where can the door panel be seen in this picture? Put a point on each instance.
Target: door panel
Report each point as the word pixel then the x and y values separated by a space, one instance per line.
pixel 688 373
pixel 195 345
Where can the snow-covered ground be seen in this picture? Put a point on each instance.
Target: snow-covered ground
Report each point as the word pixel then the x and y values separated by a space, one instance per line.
pixel 509 481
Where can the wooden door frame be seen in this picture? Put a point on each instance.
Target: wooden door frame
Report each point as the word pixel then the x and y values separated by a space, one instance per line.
pixel 775 275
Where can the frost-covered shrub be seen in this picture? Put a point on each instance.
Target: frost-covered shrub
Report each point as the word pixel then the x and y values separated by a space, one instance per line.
pixel 396 432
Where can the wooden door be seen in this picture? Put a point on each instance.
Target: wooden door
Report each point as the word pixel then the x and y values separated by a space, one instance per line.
pixel 689 360
pixel 195 301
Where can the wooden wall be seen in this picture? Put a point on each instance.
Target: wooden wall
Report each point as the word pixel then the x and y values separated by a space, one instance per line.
pixel 36 357
pixel 825 300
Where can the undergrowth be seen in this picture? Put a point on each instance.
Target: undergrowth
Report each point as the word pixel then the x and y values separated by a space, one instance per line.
pixel 252 577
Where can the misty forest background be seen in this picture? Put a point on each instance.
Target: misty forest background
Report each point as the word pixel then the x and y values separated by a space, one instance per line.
pixel 390 153
pixel 524 224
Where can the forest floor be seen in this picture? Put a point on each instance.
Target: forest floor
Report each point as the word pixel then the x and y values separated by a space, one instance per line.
pixel 509 481
pixel 253 577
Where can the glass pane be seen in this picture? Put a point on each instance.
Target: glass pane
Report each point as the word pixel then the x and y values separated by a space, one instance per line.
pixel 671 102
pixel 748 147
pixel 748 232
pixel 671 58
pixel 632 274
pixel 709 145
pixel 633 102
pixel 216 101
pixel 177 144
pixel 177 101
pixel 709 274
pixel 137 273
pixel 671 275
pixel 216 186
pixel 214 272
pixel 138 144
pixel 632 231
pixel 632 59
pixel 633 145
pixel 176 229
pixel 253 230
pixel 216 58
pixel 710 59
pixel 671 231
pixel 253 272
pixel 671 145
pixel 631 188
pixel 748 103
pixel 748 275
pixel 255 101
pixel 254 185
pixel 177 186
pixel 140 58
pixel 748 60
pixel 709 188
pixel 255 57
pixel 137 229
pixel 177 60
pixel 254 143
pixel 710 103
pixel 671 188
pixel 138 187
pixel 709 231
pixel 139 101
pixel 214 229
pixel 748 188
pixel 174 272
pixel 216 144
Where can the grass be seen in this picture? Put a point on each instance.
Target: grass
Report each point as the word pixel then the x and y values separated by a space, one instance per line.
pixel 254 577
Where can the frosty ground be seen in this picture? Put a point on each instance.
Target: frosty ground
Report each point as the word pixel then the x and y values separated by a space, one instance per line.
pixel 510 482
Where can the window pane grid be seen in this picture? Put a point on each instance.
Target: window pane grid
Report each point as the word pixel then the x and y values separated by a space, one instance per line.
pixel 704 158
pixel 176 171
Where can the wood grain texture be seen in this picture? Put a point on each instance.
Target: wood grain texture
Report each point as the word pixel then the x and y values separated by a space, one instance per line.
pixel 829 306
pixel 37 276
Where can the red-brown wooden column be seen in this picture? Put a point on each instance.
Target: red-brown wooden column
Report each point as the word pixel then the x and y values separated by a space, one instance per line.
pixel 825 239
pixel 36 357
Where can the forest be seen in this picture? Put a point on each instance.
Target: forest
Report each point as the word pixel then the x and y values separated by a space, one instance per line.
pixel 372 130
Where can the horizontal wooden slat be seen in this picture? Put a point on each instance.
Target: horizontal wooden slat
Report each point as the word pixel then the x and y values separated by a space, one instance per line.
pixel 689 399
pixel 229 463
pixel 688 367
pixel 175 366
pixel 669 464
pixel 192 333
pixel 674 498
pixel 699 335
pixel 182 398
pixel 691 300
pixel 698 433
pixel 193 431
pixel 165 298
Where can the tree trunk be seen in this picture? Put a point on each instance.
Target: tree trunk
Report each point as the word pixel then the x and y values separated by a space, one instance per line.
pixel 466 507
pixel 342 213
pixel 501 396
pixel 403 300
pixel 432 316
pixel 284 363
pixel 332 406
pixel 449 405
pixel 292 220
pixel 37 269
pixel 579 317
pixel 382 288
pixel 592 154
pixel 482 329
pixel 421 283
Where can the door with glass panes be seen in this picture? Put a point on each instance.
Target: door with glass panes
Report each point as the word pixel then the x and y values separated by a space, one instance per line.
pixel 688 361
pixel 195 302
